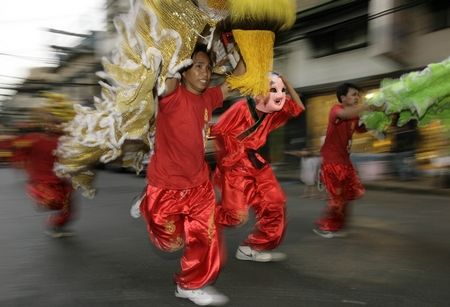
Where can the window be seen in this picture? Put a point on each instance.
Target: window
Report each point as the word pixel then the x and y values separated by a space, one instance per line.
pixel 440 10
pixel 339 38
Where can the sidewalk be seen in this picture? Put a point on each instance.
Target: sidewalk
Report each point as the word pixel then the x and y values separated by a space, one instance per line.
pixel 422 185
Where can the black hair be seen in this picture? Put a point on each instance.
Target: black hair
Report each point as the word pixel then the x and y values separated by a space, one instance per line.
pixel 342 89
pixel 274 73
pixel 199 47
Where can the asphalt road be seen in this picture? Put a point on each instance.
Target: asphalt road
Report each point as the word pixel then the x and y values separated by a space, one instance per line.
pixel 397 254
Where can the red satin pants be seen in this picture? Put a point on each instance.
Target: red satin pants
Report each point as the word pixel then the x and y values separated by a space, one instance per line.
pixel 343 185
pixel 54 196
pixel 185 218
pixel 243 187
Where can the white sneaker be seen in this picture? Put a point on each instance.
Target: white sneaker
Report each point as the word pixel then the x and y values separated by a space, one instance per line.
pixel 135 210
pixel 247 253
pixel 330 234
pixel 204 296
pixel 58 232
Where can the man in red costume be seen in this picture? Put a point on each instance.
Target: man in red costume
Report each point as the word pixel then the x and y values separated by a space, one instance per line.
pixel 34 152
pixel 338 174
pixel 244 177
pixel 179 202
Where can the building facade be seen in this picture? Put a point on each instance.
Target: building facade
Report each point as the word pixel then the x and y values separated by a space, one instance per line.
pixel 360 41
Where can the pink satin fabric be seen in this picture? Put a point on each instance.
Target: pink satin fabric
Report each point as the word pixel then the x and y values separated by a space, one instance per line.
pixel 185 218
pixel 343 185
pixel 243 187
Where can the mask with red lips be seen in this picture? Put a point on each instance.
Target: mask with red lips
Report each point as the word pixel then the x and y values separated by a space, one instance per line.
pixel 275 99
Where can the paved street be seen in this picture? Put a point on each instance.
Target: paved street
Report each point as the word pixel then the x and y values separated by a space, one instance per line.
pixel 397 254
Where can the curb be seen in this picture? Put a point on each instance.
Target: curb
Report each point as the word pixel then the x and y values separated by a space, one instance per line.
pixel 415 189
pixel 403 189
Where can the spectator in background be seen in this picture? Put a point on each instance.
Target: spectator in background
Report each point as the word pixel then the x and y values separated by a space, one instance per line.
pixel 310 162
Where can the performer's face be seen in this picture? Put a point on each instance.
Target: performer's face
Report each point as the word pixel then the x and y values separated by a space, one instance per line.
pixel 274 101
pixel 197 77
pixel 352 97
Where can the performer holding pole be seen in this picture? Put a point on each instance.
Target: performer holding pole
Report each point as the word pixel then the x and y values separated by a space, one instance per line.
pixel 338 174
pixel 179 201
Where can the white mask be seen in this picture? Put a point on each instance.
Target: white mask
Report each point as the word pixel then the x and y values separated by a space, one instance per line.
pixel 275 99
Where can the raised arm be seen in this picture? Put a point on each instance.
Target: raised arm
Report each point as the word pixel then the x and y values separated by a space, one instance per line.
pixel 171 85
pixel 292 92
pixel 352 112
pixel 238 70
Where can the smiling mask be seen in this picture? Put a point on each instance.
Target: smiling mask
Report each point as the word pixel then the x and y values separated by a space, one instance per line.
pixel 275 99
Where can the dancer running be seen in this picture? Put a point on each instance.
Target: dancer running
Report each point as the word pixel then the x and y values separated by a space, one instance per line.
pixel 179 201
pixel 34 152
pixel 245 179
pixel 338 174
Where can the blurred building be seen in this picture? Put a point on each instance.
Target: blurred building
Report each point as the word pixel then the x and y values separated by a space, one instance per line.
pixel 73 76
pixel 360 41
pixel 73 73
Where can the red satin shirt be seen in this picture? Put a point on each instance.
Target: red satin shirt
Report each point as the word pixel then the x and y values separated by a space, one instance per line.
pixel 179 158
pixel 337 145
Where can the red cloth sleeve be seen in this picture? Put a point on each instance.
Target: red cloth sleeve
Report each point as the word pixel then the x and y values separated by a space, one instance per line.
pixel 290 109
pixel 232 123
pixel 215 97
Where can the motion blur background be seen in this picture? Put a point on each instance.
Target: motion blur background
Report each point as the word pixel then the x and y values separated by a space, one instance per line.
pixel 331 42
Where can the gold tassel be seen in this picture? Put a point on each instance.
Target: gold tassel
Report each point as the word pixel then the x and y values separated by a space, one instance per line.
pixel 254 24
pixel 256 47
pixel 262 14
